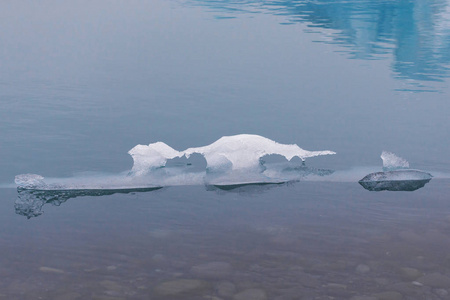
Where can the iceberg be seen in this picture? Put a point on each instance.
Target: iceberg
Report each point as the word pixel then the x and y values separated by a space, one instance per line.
pixel 237 160
pixel 400 180
pixel 229 160
pixel 244 151
pixel 396 176
pixel 30 181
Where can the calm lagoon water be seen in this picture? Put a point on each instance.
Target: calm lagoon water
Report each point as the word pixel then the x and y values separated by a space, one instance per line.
pixel 82 83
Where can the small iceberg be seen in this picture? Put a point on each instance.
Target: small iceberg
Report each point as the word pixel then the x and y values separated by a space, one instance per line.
pixel 396 176
pixel 230 160
pixel 401 180
pixel 238 160
pixel 244 151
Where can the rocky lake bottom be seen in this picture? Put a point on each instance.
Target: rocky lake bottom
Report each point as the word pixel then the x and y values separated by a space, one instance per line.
pixel 303 241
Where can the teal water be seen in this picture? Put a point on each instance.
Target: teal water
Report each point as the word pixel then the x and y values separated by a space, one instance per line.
pixel 82 83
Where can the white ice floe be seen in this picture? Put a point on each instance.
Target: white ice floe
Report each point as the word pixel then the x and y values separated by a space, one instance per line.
pixel 396 176
pixel 244 151
pixel 230 160
pixel 399 175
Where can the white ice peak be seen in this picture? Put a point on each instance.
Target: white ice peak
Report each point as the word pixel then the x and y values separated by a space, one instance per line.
pixel 237 152
pixel 393 162
pixel 244 151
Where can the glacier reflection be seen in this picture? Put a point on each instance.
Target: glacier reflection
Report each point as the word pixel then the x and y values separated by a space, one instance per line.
pixel 415 33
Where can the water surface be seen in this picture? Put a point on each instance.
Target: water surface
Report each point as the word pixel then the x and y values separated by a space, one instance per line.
pixel 297 241
pixel 81 83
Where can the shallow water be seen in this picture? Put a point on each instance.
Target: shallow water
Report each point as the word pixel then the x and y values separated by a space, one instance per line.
pixel 304 240
pixel 82 83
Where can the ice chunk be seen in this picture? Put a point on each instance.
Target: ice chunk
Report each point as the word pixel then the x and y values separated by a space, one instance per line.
pixel 397 175
pixel 395 185
pixel 393 162
pixel 240 154
pixel 29 203
pixel 94 181
pixel 399 180
pixel 150 157
pixel 29 181
pixel 243 152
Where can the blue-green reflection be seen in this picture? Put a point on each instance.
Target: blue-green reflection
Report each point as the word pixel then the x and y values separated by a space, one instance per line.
pixel 415 33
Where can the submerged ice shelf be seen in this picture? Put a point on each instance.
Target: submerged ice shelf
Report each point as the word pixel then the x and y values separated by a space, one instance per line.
pixel 230 160
pixel 29 203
